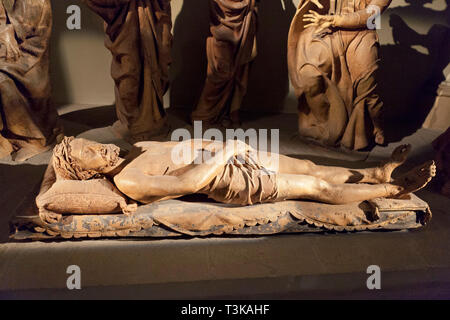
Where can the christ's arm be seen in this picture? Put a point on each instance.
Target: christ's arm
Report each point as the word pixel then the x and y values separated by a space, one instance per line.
pixel 142 187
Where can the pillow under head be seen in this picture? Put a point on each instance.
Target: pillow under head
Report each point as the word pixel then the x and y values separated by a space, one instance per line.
pixel 96 196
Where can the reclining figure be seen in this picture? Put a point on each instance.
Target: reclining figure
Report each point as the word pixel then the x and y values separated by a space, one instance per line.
pixel 232 173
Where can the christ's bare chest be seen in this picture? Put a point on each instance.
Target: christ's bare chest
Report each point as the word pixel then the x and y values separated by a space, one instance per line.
pixel 163 161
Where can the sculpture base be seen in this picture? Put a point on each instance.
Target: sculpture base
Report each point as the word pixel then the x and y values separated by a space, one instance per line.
pixel 176 218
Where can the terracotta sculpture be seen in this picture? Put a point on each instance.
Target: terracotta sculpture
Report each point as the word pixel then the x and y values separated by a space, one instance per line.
pixel 28 120
pixel 138 34
pixel 230 50
pixel 234 173
pixel 333 60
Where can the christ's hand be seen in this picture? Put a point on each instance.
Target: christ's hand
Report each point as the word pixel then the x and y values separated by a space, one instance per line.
pixel 238 147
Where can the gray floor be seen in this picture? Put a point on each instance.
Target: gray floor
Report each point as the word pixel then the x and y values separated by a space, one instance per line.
pixel 414 264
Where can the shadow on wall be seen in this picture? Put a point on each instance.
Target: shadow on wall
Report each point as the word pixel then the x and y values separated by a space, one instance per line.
pixel 409 78
pixel 269 81
pixel 188 69
pixel 90 24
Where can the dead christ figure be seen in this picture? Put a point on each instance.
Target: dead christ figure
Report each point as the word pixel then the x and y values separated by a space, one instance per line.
pixel 235 174
pixel 138 34
pixel 28 120
pixel 333 61
pixel 230 50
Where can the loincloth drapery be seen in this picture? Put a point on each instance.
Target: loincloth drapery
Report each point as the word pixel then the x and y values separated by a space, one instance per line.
pixel 242 184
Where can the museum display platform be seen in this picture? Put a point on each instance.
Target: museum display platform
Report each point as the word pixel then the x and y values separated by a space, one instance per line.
pixel 414 264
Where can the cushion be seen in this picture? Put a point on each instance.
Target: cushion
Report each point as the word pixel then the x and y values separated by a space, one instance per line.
pixel 96 196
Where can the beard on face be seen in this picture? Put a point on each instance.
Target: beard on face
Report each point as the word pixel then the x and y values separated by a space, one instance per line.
pixel 110 153
pixel 68 168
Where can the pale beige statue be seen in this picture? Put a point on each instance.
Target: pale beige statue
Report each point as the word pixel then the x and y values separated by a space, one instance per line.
pixel 235 173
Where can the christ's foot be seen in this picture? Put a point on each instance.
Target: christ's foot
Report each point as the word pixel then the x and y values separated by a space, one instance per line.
pixel 416 179
pixel 383 174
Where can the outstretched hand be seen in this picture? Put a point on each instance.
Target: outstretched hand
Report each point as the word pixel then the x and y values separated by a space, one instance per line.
pixel 322 22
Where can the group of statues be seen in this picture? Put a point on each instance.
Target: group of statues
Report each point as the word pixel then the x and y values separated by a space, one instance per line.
pixel 332 58
pixel 138 34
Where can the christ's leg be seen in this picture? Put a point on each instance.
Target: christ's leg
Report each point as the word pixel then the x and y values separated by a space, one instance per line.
pixel 339 175
pixel 311 188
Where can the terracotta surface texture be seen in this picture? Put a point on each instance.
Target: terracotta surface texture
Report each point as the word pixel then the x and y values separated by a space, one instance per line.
pixel 138 34
pixel 333 61
pixel 28 120
pixel 86 177
pixel 175 218
pixel 230 50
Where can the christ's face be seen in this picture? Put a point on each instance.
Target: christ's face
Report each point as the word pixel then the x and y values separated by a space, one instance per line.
pixel 91 155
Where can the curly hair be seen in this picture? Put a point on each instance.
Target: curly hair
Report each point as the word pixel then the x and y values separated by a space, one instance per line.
pixel 67 168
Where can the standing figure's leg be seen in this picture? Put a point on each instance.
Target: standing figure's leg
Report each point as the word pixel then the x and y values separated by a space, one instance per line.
pixel 230 50
pixel 363 63
pixel 138 34
pixel 313 104
pixel 311 188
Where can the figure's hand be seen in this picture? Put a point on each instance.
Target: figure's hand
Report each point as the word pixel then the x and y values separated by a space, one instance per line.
pixel 322 22
pixel 243 154
pixel 8 40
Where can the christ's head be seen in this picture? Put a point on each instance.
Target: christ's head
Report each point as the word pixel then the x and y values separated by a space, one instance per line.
pixel 81 159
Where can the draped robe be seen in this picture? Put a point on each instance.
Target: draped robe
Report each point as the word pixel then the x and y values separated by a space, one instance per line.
pixel 28 120
pixel 337 69
pixel 230 50
pixel 138 34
